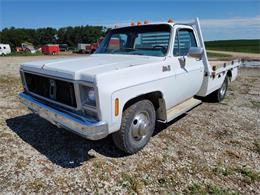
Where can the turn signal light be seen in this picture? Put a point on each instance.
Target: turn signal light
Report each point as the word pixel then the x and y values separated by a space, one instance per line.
pixel 116 107
pixel 170 20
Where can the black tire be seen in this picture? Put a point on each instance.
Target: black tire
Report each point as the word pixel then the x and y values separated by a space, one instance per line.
pixel 219 95
pixel 137 126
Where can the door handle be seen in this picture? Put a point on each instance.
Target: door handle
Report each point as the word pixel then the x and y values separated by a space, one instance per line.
pixel 182 61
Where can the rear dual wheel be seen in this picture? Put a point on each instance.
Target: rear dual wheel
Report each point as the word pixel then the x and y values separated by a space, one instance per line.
pixel 138 123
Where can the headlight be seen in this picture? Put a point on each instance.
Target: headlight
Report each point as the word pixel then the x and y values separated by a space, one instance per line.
pixel 88 96
pixel 91 95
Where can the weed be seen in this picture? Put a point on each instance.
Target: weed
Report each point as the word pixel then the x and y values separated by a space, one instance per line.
pixel 201 189
pixel 36 185
pixel 131 183
pixel 102 170
pixel 167 181
pixel 257 146
pixel 222 170
pixel 21 162
pixel 249 173
pixel 255 104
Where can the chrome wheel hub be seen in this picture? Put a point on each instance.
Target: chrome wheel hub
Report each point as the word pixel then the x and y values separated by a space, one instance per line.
pixel 140 126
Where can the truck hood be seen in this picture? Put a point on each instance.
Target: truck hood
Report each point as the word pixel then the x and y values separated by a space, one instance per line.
pixel 86 68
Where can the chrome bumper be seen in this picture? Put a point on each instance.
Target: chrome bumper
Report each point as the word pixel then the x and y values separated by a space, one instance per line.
pixel 84 128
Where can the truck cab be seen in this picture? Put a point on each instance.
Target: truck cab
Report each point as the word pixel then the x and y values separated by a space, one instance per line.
pixel 140 74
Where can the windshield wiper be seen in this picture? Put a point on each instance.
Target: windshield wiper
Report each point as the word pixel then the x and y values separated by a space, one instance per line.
pixel 123 49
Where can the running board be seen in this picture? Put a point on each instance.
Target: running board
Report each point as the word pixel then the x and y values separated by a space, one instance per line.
pixel 182 108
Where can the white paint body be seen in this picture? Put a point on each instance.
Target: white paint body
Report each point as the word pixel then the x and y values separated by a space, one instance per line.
pixel 128 76
pixel 5 49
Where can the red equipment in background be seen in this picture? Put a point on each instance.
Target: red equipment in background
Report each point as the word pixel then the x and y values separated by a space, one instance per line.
pixel 50 49
pixel 91 48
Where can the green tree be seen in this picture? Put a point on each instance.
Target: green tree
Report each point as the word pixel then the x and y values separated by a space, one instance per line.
pixel 69 35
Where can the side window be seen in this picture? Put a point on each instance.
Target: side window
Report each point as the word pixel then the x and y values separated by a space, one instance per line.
pixel 4 47
pixel 183 41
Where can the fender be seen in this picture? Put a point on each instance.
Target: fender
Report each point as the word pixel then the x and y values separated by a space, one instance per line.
pixel 128 96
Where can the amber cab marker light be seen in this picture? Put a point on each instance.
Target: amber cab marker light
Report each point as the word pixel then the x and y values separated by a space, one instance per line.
pixel 132 24
pixel 139 23
pixel 213 74
pixel 170 20
pixel 116 107
pixel 146 22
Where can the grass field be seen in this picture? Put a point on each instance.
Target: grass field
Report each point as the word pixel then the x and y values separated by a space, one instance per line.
pixel 219 56
pixel 248 46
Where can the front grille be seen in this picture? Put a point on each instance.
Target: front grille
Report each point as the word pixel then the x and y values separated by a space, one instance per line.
pixel 54 89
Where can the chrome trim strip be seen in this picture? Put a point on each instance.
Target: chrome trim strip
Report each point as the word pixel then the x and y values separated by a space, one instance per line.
pixel 77 95
pixel 85 128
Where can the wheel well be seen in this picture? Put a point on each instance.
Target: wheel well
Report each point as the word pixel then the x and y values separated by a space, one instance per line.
pixel 229 74
pixel 158 102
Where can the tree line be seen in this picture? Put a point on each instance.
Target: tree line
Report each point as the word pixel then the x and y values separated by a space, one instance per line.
pixel 66 35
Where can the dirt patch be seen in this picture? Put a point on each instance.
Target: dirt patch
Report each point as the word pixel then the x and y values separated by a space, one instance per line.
pixel 213 149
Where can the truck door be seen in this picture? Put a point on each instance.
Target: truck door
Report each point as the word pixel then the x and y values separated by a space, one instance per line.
pixel 189 71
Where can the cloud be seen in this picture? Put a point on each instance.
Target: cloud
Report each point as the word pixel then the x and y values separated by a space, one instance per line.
pixel 216 29
pixel 208 23
pixel 232 22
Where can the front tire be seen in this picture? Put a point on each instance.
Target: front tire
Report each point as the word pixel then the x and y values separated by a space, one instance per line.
pixel 138 123
pixel 220 94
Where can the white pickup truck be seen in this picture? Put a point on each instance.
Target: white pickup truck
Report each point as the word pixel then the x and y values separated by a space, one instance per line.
pixel 152 72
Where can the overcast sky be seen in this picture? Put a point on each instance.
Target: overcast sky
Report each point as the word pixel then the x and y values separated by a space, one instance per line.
pixel 221 19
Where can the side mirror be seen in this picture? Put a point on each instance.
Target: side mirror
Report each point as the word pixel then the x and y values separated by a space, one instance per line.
pixel 196 52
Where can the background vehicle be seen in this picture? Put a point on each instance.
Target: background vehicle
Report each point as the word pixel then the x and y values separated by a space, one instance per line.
pixel 26 47
pixel 50 49
pixel 138 75
pixel 82 47
pixel 4 49
pixel 91 48
pixel 63 47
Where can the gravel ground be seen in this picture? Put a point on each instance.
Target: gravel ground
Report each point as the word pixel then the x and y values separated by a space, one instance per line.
pixel 215 148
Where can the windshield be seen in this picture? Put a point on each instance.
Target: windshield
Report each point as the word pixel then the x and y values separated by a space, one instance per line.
pixel 149 40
